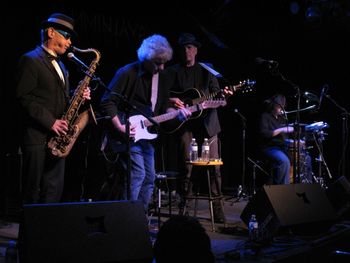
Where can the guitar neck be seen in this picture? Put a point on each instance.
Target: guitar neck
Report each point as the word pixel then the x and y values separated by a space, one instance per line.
pixel 214 94
pixel 171 115
pixel 205 97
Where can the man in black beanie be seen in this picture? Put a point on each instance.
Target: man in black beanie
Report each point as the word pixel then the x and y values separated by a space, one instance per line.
pixel 189 74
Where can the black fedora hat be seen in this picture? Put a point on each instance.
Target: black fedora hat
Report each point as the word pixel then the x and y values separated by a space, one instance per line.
pixel 60 21
pixel 187 38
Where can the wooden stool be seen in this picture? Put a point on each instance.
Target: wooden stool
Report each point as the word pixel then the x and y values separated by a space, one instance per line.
pixel 209 197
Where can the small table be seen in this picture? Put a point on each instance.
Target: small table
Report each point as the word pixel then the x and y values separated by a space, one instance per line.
pixel 209 197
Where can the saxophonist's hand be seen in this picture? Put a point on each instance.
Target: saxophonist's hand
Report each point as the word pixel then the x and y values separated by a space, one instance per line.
pixel 86 94
pixel 60 127
pixel 86 91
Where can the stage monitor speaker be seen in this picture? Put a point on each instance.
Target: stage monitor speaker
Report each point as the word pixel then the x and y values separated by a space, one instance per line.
pixel 96 232
pixel 292 205
pixel 338 194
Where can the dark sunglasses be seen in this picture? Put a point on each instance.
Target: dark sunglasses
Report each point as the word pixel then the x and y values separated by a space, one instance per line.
pixel 65 34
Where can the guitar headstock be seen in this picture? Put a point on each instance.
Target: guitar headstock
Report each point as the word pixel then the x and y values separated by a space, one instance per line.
pixel 243 86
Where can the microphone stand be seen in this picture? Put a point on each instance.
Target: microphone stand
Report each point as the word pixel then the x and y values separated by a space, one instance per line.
pixel 127 108
pixel 241 188
pixel 256 165
pixel 242 193
pixel 296 152
pixel 297 133
pixel 345 115
pixel 320 159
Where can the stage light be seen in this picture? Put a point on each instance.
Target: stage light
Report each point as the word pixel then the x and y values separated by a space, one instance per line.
pixel 313 12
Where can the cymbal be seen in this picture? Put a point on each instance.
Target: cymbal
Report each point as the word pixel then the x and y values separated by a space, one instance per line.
pixel 316 126
pixel 310 96
pixel 300 124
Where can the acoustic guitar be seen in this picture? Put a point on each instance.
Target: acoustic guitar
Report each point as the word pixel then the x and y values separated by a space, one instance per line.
pixel 193 96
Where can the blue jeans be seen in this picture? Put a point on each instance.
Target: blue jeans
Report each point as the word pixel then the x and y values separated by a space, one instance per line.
pixel 142 172
pixel 280 164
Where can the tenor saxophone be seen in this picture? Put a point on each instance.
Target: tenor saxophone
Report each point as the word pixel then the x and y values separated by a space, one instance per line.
pixel 61 145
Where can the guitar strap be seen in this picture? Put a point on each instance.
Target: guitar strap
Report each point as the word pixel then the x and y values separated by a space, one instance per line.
pixel 212 71
pixel 154 92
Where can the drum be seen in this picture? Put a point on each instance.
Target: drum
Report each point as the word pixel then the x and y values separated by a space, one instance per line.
pixel 292 154
pixel 305 161
pixel 290 145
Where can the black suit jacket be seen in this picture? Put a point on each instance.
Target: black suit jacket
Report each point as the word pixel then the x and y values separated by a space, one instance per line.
pixel 42 95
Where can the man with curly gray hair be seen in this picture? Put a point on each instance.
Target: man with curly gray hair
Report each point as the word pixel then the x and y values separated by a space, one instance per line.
pixel 145 85
pixel 155 48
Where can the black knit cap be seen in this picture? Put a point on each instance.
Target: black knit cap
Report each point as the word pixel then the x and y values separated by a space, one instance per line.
pixel 187 38
pixel 60 21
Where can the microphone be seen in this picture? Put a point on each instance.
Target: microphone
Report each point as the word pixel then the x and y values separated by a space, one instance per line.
pixel 323 93
pixel 240 115
pixel 269 63
pixel 76 60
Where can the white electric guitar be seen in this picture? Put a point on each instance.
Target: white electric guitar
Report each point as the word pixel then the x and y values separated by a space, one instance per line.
pixel 141 124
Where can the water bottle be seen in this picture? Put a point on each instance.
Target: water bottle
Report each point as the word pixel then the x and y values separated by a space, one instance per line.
pixel 11 252
pixel 205 150
pixel 253 228
pixel 193 150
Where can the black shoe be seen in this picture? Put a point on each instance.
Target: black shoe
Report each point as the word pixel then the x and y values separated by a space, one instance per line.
pixel 218 220
pixel 181 211
pixel 219 216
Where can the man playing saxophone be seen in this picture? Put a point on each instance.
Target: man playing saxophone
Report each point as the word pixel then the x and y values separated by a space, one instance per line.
pixel 43 94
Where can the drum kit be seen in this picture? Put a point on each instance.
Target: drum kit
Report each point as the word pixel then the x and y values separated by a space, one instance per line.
pixel 312 134
pixel 310 142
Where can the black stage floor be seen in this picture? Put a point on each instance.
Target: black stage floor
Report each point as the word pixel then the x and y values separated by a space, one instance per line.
pixel 230 243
